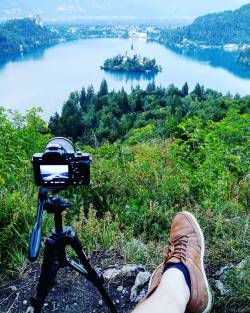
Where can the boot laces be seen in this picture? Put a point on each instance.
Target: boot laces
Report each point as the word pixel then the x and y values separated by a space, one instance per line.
pixel 177 248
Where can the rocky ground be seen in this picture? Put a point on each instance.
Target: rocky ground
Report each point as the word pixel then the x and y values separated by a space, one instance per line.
pixel 126 284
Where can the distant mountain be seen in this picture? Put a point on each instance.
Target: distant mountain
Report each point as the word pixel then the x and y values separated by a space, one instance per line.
pixel 24 35
pixel 229 27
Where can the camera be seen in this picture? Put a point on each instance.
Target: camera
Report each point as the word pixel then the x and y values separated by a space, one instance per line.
pixel 61 166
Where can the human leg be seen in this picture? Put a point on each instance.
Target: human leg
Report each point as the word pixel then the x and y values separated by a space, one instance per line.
pixel 167 290
pixel 171 296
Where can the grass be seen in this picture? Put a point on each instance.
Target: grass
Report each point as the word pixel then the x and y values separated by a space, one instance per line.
pixel 136 189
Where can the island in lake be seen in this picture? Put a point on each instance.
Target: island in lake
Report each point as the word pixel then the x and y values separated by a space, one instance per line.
pixel 131 63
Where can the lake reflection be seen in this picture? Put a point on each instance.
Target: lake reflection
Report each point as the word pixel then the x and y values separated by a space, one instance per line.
pixel 35 55
pixel 130 77
pixel 217 58
pixel 45 78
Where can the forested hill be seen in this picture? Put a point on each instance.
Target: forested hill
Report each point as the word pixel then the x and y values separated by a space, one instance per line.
pixel 172 150
pixel 215 29
pixel 24 35
pixel 91 118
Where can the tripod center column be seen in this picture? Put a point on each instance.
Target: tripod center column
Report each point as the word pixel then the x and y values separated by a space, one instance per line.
pixel 58 222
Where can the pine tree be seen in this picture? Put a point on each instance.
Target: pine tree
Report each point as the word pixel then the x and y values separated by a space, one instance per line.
pixel 83 99
pixel 173 90
pixel 90 93
pixel 123 101
pixel 199 92
pixel 185 89
pixel 103 88
pixel 151 87
pixel 55 125
pixel 138 103
pixel 71 118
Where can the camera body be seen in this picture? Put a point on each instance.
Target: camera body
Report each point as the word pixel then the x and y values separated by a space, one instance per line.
pixel 61 166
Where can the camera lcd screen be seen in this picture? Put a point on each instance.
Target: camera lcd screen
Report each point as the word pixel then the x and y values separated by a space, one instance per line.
pixel 55 174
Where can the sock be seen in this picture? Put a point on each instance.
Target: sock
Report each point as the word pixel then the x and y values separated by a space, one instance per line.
pixel 181 267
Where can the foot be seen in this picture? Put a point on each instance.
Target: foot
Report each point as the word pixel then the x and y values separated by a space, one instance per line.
pixel 186 245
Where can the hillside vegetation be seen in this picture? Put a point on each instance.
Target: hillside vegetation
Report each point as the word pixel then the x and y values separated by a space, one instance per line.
pixel 155 152
pixel 214 29
pixel 24 35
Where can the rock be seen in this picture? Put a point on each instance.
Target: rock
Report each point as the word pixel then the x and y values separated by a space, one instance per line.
pixel 111 273
pixel 124 291
pixel 140 287
pixel 100 302
pixel 126 271
pixel 141 295
pixel 119 288
pixel 223 270
pixel 131 270
pixel 241 265
pixel 13 288
pixel 221 288
pixel 25 302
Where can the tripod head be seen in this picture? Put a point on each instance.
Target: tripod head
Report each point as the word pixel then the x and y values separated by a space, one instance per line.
pixel 51 204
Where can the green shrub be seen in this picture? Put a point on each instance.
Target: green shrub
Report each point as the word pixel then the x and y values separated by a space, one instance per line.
pixel 136 189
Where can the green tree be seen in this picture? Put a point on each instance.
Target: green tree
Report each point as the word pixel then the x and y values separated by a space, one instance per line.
pixel 123 101
pixel 71 118
pixel 173 90
pixel 198 92
pixel 138 103
pixel 55 124
pixel 185 89
pixel 83 99
pixel 90 93
pixel 103 88
pixel 151 87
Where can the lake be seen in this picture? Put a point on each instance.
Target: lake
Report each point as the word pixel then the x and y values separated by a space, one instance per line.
pixel 46 77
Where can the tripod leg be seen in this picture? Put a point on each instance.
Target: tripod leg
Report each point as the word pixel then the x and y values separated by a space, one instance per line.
pixel 91 275
pixel 49 271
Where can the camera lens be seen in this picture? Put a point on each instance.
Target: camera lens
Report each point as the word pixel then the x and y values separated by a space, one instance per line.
pixel 61 142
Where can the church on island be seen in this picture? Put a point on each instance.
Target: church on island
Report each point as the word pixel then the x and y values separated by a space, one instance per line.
pixel 131 62
pixel 129 54
pixel 132 54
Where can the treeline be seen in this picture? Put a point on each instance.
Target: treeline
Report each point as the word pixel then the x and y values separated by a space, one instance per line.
pixel 24 35
pixel 214 29
pixel 90 117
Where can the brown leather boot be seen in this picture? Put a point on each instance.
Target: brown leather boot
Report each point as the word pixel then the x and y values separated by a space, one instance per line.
pixel 186 245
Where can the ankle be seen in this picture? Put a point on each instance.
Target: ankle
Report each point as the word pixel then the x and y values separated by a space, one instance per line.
pixel 182 268
pixel 174 281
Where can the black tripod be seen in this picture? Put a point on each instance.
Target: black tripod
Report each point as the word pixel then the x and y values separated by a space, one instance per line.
pixel 54 253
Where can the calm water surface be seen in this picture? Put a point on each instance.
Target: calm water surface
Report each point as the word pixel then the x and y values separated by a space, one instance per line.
pixel 45 78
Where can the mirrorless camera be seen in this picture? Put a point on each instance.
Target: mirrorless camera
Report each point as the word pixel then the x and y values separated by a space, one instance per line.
pixel 61 166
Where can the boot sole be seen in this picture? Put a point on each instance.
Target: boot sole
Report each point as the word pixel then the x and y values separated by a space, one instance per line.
pixel 210 299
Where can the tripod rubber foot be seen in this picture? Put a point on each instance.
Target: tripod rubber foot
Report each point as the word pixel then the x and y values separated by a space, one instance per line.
pixel 36 304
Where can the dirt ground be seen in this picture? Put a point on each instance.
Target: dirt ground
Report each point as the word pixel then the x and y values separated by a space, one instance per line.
pixel 72 294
